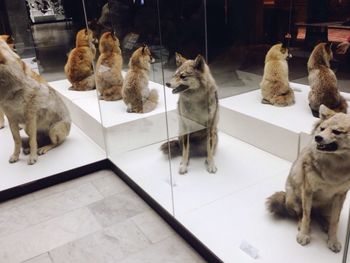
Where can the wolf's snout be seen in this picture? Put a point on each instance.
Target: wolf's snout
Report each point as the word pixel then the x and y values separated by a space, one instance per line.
pixel 318 138
pixel 168 84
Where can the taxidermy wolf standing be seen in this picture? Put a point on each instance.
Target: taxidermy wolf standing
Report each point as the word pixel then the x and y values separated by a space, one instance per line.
pixel 319 179
pixel 28 100
pixel 275 83
pixel 323 82
pixel 136 94
pixel 79 69
pixel 198 102
pixel 109 79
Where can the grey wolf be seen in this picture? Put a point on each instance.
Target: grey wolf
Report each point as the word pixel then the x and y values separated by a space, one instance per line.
pixel 274 86
pixel 28 100
pixel 109 79
pixel 136 94
pixel 79 69
pixel 323 82
pixel 319 179
pixel 198 102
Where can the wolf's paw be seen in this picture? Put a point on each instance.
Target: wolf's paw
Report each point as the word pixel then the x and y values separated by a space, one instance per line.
pixel 334 245
pixel 42 150
pixel 14 158
pixel 303 239
pixel 32 159
pixel 183 169
pixel 211 167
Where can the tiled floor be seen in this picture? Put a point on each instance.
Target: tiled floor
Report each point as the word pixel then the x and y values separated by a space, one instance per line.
pixel 95 218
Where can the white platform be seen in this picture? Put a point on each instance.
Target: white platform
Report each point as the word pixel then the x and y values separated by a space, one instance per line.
pixel 225 208
pixel 118 125
pixel 78 150
pixel 282 131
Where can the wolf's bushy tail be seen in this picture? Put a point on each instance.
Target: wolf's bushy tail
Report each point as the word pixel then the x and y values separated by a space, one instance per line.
pixel 276 204
pixel 112 93
pixel 85 84
pixel 343 105
pixel 175 148
pixel 151 102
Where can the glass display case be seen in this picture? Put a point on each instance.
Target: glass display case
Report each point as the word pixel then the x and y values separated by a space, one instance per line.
pixel 206 108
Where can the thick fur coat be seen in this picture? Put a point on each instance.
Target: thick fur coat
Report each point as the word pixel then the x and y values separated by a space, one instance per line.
pixel 319 179
pixel 109 79
pixel 79 67
pixel 274 86
pixel 323 82
pixel 198 103
pixel 136 94
pixel 29 101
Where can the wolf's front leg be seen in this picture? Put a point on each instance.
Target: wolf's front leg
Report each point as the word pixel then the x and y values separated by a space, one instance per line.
pixel 211 141
pixel 185 140
pixel 337 205
pixel 33 143
pixel 17 140
pixel 303 236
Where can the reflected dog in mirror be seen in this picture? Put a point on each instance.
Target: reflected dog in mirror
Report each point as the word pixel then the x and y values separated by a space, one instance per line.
pixel 274 86
pixel 197 106
pixel 28 101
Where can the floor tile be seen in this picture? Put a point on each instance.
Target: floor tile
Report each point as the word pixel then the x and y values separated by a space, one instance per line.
pixel 43 258
pixel 109 185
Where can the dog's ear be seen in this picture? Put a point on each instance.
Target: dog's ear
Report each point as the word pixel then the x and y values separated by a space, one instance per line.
pixel 179 59
pixel 199 63
pixel 325 112
pixel 144 48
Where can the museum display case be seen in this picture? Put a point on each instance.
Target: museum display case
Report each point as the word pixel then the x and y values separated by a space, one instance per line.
pixel 183 118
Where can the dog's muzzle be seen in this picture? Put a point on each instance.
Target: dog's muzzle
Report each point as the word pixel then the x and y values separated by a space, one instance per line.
pixel 180 88
pixel 329 147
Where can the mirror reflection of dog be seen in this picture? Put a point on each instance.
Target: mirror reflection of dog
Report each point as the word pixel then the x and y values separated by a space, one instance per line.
pixel 323 81
pixel 319 179
pixel 29 101
pixel 198 102
pixel 10 42
pixel 136 94
pixel 109 79
pixel 274 86
pixel 79 69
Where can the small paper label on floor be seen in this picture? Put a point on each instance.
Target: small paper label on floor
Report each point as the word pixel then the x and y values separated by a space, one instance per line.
pixel 249 249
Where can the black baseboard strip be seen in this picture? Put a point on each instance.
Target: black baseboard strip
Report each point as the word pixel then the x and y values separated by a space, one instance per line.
pixel 53 180
pixel 193 241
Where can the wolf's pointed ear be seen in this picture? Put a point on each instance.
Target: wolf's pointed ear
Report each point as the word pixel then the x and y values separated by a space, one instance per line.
pixel 144 46
pixel 329 46
pixel 179 59
pixel 86 31
pixel 325 112
pixel 284 43
pixel 199 63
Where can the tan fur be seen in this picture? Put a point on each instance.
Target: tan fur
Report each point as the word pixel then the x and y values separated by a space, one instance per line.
pixel 9 41
pixel 109 79
pixel 79 68
pixel 319 179
pixel 136 94
pixel 198 103
pixel 274 86
pixel 323 82
pixel 28 100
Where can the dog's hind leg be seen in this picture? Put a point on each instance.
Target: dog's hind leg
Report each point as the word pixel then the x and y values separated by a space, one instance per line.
pixel 211 145
pixel 185 140
pixel 337 205
pixel 17 140
pixel 57 133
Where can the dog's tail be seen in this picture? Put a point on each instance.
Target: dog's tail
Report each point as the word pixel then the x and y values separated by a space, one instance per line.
pixel 175 149
pixel 276 204
pixel 151 102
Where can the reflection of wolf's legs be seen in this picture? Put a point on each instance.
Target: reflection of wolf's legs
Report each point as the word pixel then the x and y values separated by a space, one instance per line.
pixel 17 140
pixel 337 205
pixel 31 129
pixel 211 145
pixel 303 236
pixel 2 120
pixel 58 133
pixel 185 141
